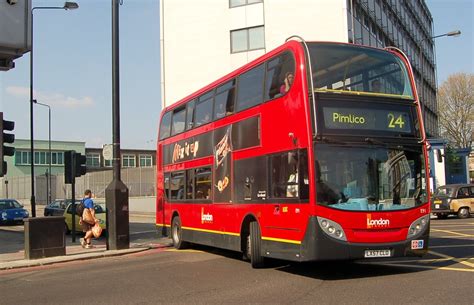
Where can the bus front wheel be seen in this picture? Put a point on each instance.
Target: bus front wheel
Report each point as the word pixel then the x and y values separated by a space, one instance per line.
pixel 254 246
pixel 177 233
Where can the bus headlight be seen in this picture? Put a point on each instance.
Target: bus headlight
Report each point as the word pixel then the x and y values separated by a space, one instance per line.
pixel 418 225
pixel 332 228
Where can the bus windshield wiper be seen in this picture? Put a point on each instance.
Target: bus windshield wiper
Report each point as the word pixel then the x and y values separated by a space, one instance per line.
pixel 330 140
pixel 374 141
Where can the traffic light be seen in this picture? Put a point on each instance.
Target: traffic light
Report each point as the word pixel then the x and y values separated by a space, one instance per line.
pixel 74 166
pixel 5 138
pixel 80 165
pixel 69 157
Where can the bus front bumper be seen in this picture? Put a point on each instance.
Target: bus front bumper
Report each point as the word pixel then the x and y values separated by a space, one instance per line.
pixel 317 245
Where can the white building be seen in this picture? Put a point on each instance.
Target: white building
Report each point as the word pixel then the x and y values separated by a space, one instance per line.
pixel 202 41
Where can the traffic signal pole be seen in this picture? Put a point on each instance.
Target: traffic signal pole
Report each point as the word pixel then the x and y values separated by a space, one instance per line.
pixel 116 194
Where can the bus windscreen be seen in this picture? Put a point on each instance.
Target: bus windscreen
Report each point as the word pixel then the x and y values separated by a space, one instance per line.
pixel 349 69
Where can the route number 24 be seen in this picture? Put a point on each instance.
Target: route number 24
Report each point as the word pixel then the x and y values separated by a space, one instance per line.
pixel 395 121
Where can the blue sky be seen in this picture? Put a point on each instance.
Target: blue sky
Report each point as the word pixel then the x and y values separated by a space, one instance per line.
pixel 453 54
pixel 72 69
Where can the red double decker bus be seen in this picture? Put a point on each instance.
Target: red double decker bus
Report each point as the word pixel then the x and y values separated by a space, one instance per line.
pixel 314 151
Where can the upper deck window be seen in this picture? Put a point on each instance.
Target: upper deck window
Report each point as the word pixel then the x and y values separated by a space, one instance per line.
pixel 179 117
pixel 355 69
pixel 203 111
pixel 250 88
pixel 165 126
pixel 224 100
pixel 190 114
pixel 280 75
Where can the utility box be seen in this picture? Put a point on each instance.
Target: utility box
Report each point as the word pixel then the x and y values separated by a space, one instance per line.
pixel 44 237
pixel 15 31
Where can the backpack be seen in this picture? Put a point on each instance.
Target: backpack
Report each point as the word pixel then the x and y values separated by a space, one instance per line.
pixel 80 208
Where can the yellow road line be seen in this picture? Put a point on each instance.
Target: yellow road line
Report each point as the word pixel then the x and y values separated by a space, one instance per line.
pixel 454 259
pixel 451 246
pixel 429 267
pixel 451 232
pixel 454 225
pixel 426 261
pixel 462 230
pixel 450 236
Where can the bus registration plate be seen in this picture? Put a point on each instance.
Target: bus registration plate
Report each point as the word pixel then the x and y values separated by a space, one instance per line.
pixel 377 253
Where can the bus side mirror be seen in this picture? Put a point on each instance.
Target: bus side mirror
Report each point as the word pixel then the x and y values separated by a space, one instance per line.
pixel 439 155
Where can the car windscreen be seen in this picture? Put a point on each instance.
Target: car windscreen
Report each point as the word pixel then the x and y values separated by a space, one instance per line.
pixel 445 191
pixel 9 204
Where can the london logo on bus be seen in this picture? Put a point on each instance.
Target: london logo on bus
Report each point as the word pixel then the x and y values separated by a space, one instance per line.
pixel 377 223
pixel 206 218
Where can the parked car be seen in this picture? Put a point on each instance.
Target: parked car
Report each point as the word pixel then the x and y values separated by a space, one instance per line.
pixel 57 207
pixel 100 213
pixel 457 199
pixel 11 211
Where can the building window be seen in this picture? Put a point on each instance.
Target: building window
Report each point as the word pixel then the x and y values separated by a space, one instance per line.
pixel 247 39
pixel 128 161
pixel 235 3
pixel 108 163
pixel 41 158
pixel 146 161
pixel 93 160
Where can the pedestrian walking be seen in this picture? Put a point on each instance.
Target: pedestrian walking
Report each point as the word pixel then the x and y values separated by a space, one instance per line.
pixel 87 220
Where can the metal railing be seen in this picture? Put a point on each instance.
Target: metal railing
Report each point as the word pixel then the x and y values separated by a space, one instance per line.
pixel 141 182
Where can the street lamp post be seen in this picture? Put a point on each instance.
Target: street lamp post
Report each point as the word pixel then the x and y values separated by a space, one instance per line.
pixel 66 6
pixel 49 146
pixel 422 96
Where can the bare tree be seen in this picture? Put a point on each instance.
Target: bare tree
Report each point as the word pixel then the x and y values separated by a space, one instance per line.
pixel 456 109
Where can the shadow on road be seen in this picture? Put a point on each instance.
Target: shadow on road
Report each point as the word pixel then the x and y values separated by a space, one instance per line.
pixel 326 270
pixel 343 270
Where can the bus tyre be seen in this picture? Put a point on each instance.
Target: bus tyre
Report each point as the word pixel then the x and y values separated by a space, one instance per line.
pixel 463 213
pixel 254 246
pixel 176 234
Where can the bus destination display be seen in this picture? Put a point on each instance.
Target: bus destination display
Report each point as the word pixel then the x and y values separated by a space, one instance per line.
pixel 367 119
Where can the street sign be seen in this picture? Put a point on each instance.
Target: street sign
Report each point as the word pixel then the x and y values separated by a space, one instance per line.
pixel 108 151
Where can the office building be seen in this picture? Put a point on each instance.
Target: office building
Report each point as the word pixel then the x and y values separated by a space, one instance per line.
pixel 204 40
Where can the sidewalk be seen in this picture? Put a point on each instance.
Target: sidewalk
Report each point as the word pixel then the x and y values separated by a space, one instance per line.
pixel 74 252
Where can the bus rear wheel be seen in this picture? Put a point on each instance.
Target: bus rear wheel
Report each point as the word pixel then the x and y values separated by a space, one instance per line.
pixel 177 234
pixel 254 246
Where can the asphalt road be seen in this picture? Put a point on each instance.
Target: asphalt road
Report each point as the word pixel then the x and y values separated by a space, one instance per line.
pixel 204 275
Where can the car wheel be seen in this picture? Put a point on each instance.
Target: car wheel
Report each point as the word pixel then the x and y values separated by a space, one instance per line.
pixel 463 213
pixel 177 233
pixel 442 216
pixel 66 229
